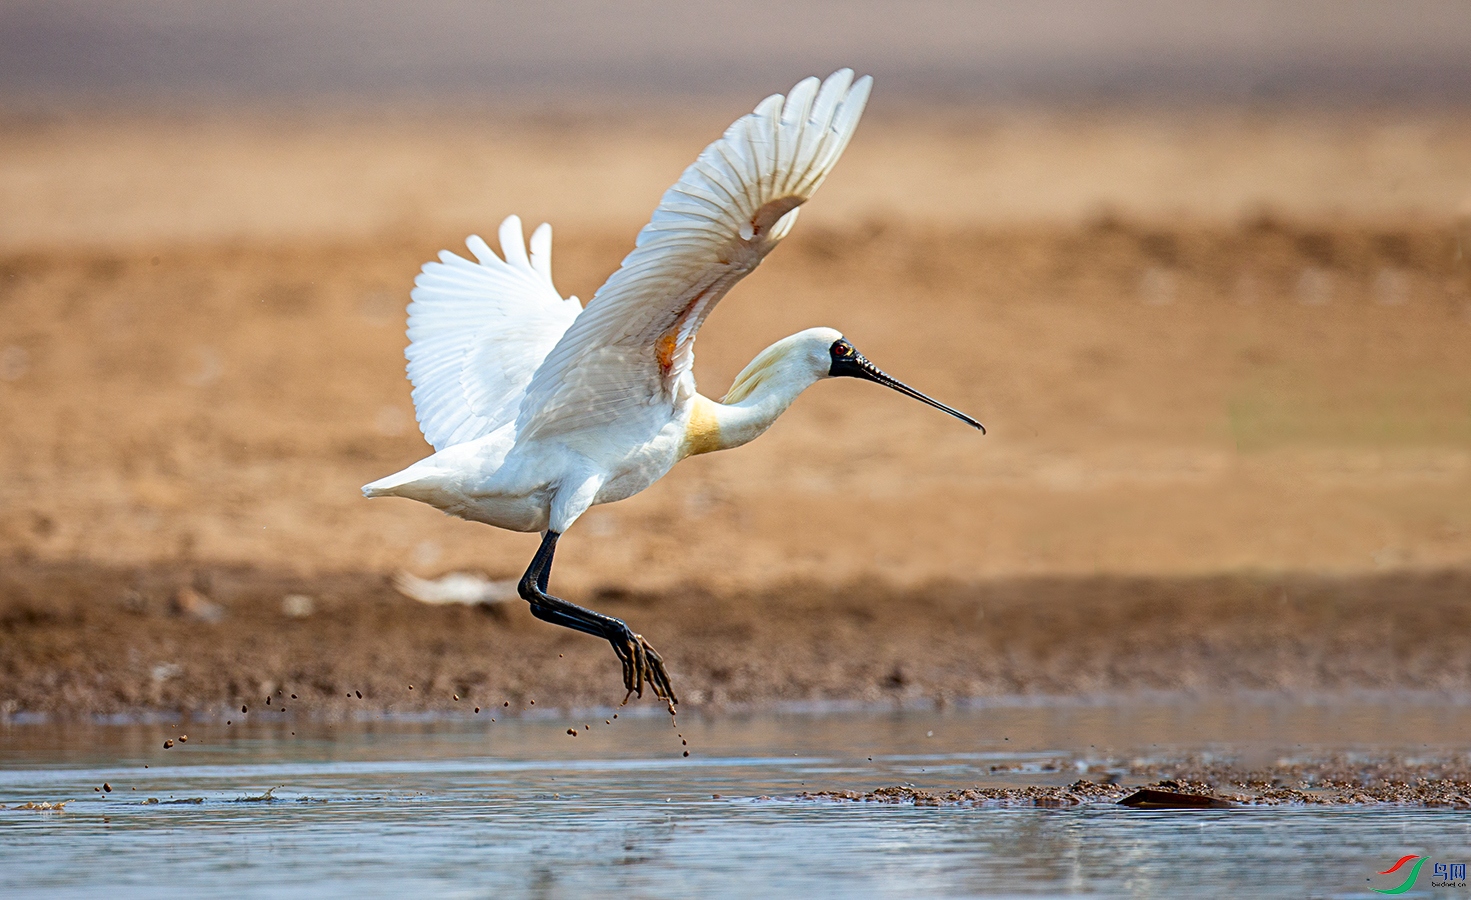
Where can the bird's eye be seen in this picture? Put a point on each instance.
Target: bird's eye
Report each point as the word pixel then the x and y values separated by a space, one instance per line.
pixel 842 348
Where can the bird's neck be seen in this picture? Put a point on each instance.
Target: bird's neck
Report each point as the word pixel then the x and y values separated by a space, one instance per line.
pixel 721 426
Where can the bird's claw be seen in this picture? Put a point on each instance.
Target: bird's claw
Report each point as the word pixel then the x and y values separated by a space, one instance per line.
pixel 642 665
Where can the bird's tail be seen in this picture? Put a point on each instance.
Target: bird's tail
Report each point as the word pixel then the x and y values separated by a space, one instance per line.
pixel 392 485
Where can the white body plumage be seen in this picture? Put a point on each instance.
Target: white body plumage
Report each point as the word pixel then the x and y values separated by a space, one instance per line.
pixel 547 483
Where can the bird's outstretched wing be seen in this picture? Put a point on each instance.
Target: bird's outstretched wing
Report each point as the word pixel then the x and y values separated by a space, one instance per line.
pixel 629 354
pixel 479 330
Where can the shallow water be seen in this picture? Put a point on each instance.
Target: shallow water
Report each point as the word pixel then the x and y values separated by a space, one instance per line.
pixel 464 806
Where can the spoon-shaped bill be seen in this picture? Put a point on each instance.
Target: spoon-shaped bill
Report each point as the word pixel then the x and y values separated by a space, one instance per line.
pixel 856 366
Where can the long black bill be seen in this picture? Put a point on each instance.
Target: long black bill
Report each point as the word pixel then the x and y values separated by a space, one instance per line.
pixel 854 365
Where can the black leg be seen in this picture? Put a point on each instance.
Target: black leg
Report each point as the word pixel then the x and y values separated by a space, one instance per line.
pixel 640 663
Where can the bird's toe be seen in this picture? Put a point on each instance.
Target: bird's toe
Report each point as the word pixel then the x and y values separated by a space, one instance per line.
pixel 655 673
pixel 630 655
pixel 642 666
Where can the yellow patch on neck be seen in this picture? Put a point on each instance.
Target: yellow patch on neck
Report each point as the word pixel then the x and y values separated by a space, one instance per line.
pixel 702 434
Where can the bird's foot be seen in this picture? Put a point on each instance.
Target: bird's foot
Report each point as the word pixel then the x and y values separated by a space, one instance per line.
pixel 642 665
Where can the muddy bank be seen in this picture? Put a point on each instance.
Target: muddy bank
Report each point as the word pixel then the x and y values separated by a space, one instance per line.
pixel 81 639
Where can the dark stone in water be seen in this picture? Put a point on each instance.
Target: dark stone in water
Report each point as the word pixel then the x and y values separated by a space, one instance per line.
pixel 1146 798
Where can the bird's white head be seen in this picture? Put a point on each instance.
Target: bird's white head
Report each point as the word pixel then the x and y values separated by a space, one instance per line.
pixel 799 361
pixel 791 365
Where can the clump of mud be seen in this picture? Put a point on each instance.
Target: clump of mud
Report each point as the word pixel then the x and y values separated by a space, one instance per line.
pixel 1031 795
pixel 1333 781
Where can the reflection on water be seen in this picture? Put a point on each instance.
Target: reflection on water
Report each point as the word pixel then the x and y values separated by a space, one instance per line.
pixel 520 807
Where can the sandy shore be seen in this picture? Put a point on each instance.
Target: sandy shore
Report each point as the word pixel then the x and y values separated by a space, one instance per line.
pixel 137 182
pixel 1179 401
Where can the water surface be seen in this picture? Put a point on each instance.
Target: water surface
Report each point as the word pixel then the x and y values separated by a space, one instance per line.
pixel 467 807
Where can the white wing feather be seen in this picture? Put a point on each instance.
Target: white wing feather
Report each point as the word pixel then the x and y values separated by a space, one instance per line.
pixel 628 356
pixel 479 330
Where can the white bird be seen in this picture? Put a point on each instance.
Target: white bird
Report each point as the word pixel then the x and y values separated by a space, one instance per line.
pixel 539 409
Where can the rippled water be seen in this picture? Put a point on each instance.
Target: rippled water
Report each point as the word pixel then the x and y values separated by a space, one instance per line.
pixel 466 807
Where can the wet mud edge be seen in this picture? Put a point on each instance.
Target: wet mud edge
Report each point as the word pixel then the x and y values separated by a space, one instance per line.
pixel 84 640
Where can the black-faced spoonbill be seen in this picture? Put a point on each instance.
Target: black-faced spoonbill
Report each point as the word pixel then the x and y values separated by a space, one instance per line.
pixel 539 409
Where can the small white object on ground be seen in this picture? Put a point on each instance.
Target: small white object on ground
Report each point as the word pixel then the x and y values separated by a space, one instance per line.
pixel 456 587
pixel 298 606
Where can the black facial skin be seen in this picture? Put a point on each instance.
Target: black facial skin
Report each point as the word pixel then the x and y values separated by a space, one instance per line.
pixel 847 361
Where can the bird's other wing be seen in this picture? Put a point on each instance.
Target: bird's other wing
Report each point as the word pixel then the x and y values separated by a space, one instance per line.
pixel 478 330
pixel 630 352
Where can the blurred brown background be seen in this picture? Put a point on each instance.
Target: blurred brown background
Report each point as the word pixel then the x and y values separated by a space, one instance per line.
pixel 1201 269
pixel 1198 266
